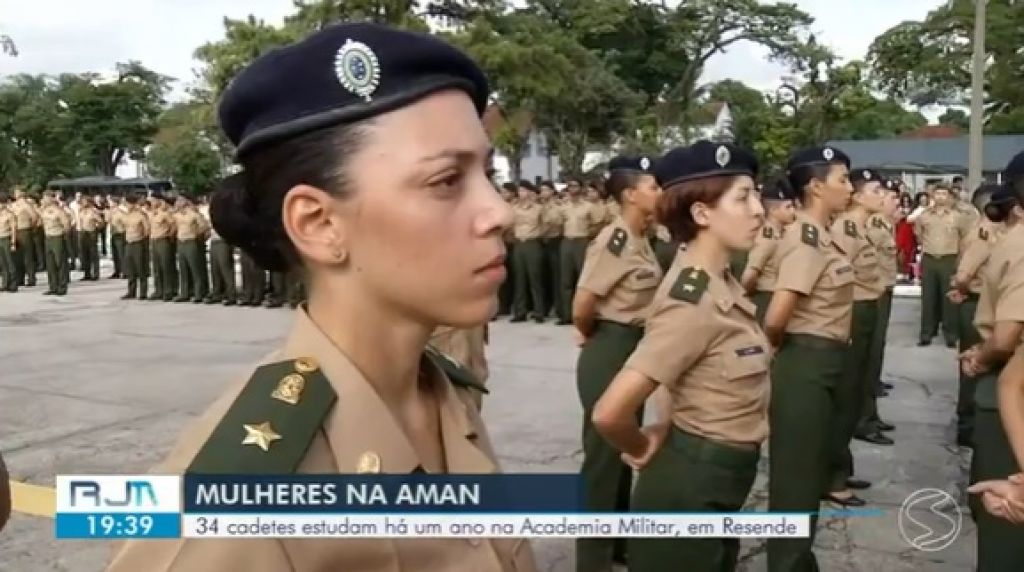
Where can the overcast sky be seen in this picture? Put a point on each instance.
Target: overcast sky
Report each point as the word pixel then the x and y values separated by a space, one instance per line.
pixel 57 36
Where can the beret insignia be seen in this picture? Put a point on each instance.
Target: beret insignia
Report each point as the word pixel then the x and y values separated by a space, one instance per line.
pixel 828 153
pixel 617 242
pixel 690 285
pixel 809 234
pixel 357 68
pixel 867 175
pixel 851 228
pixel 722 156
pixel 645 163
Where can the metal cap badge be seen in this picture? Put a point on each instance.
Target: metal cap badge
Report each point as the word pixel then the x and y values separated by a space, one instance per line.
pixel 357 68
pixel 828 154
pixel 722 156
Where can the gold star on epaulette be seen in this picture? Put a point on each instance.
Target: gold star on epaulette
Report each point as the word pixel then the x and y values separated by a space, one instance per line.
pixel 261 435
pixel 809 234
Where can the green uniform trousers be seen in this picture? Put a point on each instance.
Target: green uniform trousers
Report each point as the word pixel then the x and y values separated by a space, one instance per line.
pixel 117 248
pixel 136 267
pixel 164 273
pixel 192 283
pixel 738 262
pixel 27 255
pixel 222 271
pixel 89 253
pixel 573 253
pixel 665 252
pixel 8 268
pixel 552 281
pixel 56 265
pixel 72 249
pixel 935 307
pixel 39 240
pixel 529 279
pixel 761 299
pixel 969 336
pixel 692 474
pixel 850 392
pixel 805 376
pixel 506 290
pixel 278 290
pixel 869 411
pixel 606 479
pixel 254 281
pixel 1000 544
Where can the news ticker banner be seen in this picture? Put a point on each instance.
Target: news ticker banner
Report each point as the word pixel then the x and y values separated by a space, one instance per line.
pixel 373 506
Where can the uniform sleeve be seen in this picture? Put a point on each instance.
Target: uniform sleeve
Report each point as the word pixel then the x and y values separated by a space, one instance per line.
pixel 199 555
pixel 675 337
pixel 602 270
pixel 976 253
pixel 800 267
pixel 761 253
pixel 1010 305
pixel 880 237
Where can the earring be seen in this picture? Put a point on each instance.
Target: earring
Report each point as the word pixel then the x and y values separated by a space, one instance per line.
pixel 339 255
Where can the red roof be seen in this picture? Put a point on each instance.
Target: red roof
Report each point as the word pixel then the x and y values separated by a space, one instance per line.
pixel 933 132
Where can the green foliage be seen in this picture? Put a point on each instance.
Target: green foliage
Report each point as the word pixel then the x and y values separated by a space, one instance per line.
pixel 183 150
pixel 956 118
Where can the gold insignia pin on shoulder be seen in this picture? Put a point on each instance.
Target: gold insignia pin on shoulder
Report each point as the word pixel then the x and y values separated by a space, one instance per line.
pixel 369 463
pixel 306 365
pixel 289 389
pixel 260 434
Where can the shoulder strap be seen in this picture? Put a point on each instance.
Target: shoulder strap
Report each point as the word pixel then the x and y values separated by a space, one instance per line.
pixel 457 374
pixel 617 241
pixel 690 285
pixel 809 234
pixel 271 423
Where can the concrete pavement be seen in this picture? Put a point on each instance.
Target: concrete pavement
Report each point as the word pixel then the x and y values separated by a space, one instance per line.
pixel 93 384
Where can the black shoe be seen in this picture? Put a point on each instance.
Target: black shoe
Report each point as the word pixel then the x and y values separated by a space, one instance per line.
pixel 881 393
pixel 179 300
pixel 965 441
pixel 114 275
pixel 883 426
pixel 923 343
pixel 857 484
pixel 212 301
pixel 154 297
pixel 517 319
pixel 197 300
pixel 49 293
pixel 852 500
pixel 876 438
pixel 84 279
pixel 538 319
pixel 127 296
pixel 887 386
pixel 228 302
pixel 274 304
pixel 564 322
pixel 951 344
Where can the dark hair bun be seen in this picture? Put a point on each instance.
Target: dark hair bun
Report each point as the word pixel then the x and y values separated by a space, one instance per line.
pixel 232 215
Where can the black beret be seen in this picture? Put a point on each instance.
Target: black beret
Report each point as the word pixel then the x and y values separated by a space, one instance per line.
pixel 866 176
pixel 631 164
pixel 1004 195
pixel 701 160
pixel 524 184
pixel 891 184
pixel 341 74
pixel 817 156
pixel 1015 167
pixel 778 190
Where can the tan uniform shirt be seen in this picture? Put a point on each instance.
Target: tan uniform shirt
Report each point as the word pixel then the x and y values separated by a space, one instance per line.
pixel 528 220
pixel 763 256
pixel 89 219
pixel 881 233
pixel 599 211
pixel 976 251
pixel 819 270
pixel 358 422
pixel 939 231
pixel 711 356
pixel 55 221
pixel 136 225
pixel 161 224
pixel 26 214
pixel 613 209
pixel 115 217
pixel 1002 289
pixel 853 240
pixel 8 222
pixel 190 224
pixel 552 219
pixel 579 219
pixel 622 271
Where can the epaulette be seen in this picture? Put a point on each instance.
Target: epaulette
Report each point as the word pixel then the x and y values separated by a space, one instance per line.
pixel 617 242
pixel 271 423
pixel 809 234
pixel 851 228
pixel 690 285
pixel 982 233
pixel 457 374
pixel 878 223
pixel 767 232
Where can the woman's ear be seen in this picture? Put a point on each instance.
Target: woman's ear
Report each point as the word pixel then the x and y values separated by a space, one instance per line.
pixel 700 213
pixel 309 218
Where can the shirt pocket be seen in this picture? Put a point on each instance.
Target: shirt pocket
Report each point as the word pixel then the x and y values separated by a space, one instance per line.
pixel 746 360
pixel 640 279
pixel 841 274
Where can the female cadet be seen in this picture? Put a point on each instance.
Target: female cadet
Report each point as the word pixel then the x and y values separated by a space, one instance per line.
pixel 966 289
pixel 850 234
pixel 758 278
pixel 1000 322
pixel 620 275
pixel 704 352
pixel 808 320
pixel 528 293
pixel 364 161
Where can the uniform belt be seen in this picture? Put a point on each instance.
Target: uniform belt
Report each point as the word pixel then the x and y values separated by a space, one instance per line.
pixel 815 342
pixel 871 302
pixel 704 449
pixel 629 328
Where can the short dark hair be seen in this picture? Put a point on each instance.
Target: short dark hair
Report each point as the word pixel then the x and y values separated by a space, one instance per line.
pixel 802 176
pixel 618 182
pixel 673 206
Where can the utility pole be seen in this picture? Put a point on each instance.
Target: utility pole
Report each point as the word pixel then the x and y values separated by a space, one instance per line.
pixel 976 154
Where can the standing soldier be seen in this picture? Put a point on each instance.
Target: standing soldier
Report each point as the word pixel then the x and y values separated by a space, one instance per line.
pixel 136 253
pixel 278 290
pixel 254 281
pixel 939 229
pixel 101 204
pixel 553 218
pixel 579 219
pixel 507 289
pixel 190 228
pixel 161 235
pixel 26 256
pixel 8 244
pixel 38 236
pixel 529 256
pixel 965 292
pixel 598 206
pixel 222 259
pixel 55 226
pixel 89 223
pixel 808 321
pixel 618 282
pixel 115 219
pixel 71 208
pixel 758 278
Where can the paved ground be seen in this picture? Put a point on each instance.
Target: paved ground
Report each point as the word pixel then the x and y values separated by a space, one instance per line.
pixel 91 384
